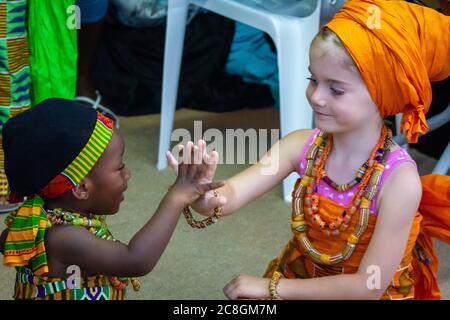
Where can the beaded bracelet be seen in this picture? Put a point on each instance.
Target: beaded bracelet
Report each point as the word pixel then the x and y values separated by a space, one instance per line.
pixel 217 214
pixel 273 285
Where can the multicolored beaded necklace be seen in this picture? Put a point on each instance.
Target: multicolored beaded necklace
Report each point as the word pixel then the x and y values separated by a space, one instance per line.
pixel 344 187
pixel 96 224
pixel 306 198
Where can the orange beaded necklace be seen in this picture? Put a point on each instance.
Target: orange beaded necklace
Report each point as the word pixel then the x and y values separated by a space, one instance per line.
pixel 306 198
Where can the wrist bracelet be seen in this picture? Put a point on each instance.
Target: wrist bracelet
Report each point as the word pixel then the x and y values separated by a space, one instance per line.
pixel 216 215
pixel 276 276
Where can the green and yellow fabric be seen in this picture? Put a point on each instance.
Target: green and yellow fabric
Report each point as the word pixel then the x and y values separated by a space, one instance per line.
pixel 30 286
pixel 38 58
pixel 53 49
pixel 14 68
pixel 78 135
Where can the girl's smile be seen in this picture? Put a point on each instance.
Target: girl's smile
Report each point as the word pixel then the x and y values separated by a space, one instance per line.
pixel 321 115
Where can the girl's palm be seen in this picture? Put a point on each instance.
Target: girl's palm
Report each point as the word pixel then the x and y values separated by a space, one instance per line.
pixel 207 202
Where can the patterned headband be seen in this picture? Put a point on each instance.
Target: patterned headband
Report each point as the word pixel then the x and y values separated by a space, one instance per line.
pixel 78 169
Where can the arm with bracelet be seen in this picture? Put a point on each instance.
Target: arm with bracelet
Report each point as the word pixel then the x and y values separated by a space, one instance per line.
pixel 247 185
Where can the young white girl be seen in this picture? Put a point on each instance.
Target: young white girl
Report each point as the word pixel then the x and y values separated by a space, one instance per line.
pixel 354 212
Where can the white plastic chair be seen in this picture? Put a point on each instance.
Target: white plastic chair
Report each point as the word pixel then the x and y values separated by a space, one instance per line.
pixel 292 35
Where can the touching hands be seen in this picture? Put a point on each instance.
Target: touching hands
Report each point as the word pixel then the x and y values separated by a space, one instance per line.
pixel 195 170
pixel 200 172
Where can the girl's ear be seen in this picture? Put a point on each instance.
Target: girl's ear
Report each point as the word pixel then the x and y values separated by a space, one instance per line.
pixel 83 190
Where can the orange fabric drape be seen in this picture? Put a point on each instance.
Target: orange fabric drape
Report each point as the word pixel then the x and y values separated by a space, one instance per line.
pixel 398 47
pixel 435 209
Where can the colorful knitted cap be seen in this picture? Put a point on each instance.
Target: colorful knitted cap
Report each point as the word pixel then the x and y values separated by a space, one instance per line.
pixel 48 150
pixel 57 142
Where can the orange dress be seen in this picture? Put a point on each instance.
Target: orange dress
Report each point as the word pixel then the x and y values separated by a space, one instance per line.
pixel 398 48
pixel 415 277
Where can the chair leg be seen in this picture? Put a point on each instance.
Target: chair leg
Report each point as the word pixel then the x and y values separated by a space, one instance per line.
pixel 295 112
pixel 173 53
pixel 443 164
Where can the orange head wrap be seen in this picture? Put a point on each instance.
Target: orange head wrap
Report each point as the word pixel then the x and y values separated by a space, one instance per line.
pixel 398 48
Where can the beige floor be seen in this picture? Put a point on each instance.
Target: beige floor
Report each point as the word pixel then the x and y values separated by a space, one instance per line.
pixel 198 263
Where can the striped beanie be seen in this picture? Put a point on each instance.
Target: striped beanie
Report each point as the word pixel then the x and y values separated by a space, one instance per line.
pixel 50 148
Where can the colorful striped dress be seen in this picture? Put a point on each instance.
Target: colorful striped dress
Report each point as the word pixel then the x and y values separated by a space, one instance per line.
pixel 14 68
pixel 31 282
pixel 32 287
pixel 38 58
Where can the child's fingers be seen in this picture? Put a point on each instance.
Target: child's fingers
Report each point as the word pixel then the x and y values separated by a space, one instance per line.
pixel 173 163
pixel 180 149
pixel 202 147
pixel 181 160
pixel 203 152
pixel 197 155
pixel 210 186
pixel 211 159
pixel 215 156
pixel 206 158
pixel 187 154
pixel 182 168
pixel 193 167
pixel 211 164
pixel 214 159
pixel 180 153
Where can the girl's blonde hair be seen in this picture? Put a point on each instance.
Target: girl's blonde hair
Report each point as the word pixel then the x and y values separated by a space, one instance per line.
pixel 326 37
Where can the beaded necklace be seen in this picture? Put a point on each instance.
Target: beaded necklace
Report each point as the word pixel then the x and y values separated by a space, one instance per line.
pixel 96 224
pixel 306 197
pixel 344 187
pixel 312 198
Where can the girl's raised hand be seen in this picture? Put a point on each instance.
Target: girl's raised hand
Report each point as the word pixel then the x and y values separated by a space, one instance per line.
pixel 211 159
pixel 206 203
pixel 195 170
